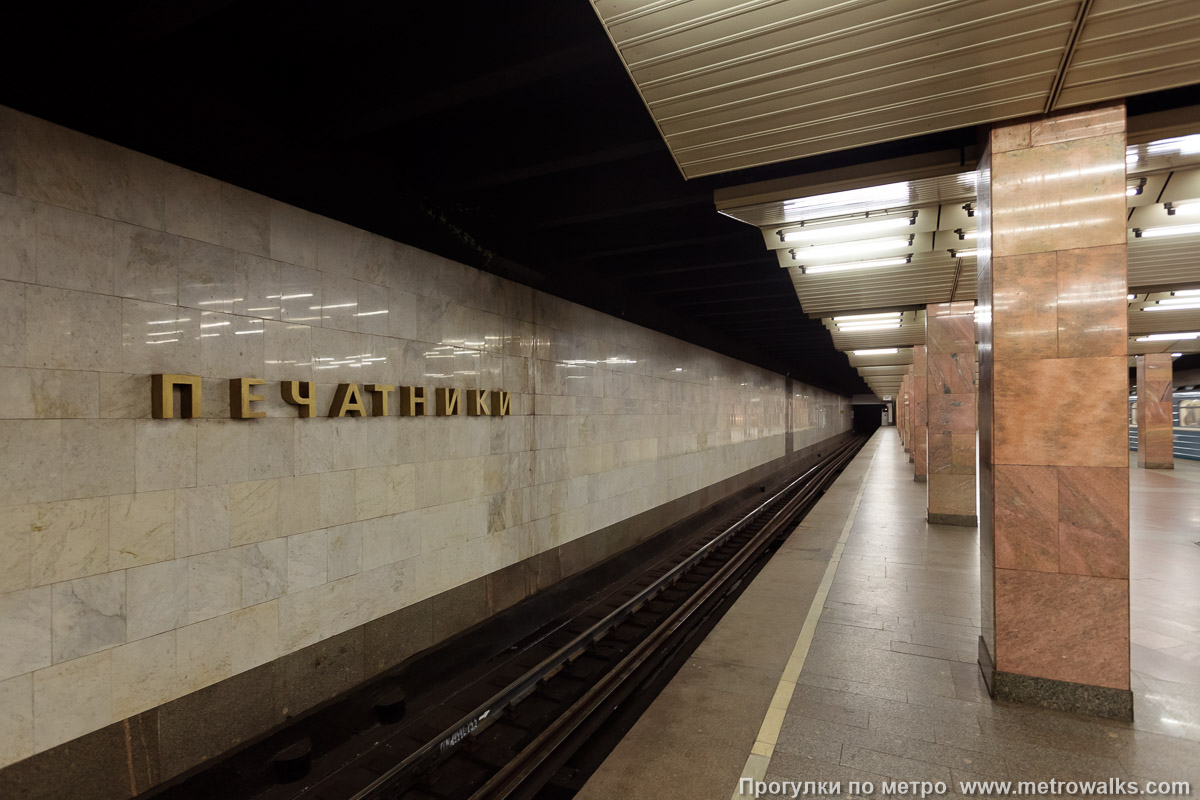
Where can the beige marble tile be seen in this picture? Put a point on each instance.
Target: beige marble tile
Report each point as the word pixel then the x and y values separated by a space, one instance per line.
pixel 72 330
pixel 230 346
pixel 55 165
pixel 299 504
pixel 263 571
pixel 74 250
pixel 165 454
pixel 71 699
pixel 18 239
pixel 339 302
pixel 124 396
pixel 222 454
pixel 9 121
pixel 254 634
pixel 287 352
pixel 293 235
pixel 144 675
pixel 270 447
pixel 25 631
pixel 88 615
pixel 16 723
pixel 254 511
pixel 201 520
pixel 12 324
pixel 141 529
pixel 192 205
pixel 308 560
pixel 16 533
pixel 204 653
pixel 158 338
pixel 214 584
pixel 48 394
pixel 337 498
pixel 300 291
pixel 97 457
pixel 374 308
pixel 146 264
pixel 156 598
pixel 260 277
pixel 130 187
pixel 345 550
pixel 69 540
pixel 245 221
pixel 208 277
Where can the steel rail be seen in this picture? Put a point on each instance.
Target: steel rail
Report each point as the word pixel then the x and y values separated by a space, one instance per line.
pixel 484 715
pixel 515 772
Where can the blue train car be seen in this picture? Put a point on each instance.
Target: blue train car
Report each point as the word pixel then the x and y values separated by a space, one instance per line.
pixel 1185 414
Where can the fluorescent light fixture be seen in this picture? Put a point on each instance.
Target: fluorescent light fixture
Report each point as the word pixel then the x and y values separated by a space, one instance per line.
pixel 968 253
pixel 875 326
pixel 1187 209
pixel 849 265
pixel 1176 355
pixel 1184 145
pixel 1169 337
pixel 1186 292
pixel 1174 301
pixel 1131 297
pixel 962 235
pixel 871 195
pixel 851 249
pixel 1134 189
pixel 825 233
pixel 1174 306
pixel 1167 230
pixel 880 351
pixel 855 317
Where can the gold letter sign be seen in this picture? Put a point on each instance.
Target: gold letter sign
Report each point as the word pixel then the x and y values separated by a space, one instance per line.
pixel 304 403
pixel 162 396
pixel 346 400
pixel 240 398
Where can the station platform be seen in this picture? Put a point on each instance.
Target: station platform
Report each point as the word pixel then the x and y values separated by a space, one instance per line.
pixel 852 657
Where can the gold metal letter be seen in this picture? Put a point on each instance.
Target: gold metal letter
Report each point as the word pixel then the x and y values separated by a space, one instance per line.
pixel 379 398
pixel 477 403
pixel 346 400
pixel 162 396
pixel 410 398
pixel 448 404
pixel 305 402
pixel 240 398
pixel 501 404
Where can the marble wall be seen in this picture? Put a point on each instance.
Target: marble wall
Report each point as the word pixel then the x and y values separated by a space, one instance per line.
pixel 143 559
pixel 1156 432
pixel 1052 344
pixel 920 421
pixel 950 365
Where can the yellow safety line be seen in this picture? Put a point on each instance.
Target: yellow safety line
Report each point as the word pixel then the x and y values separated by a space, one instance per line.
pixel 768 733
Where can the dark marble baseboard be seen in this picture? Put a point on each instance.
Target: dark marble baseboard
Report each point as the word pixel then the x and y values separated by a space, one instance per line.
pixel 1158 465
pixel 165 743
pixel 921 478
pixel 962 520
pixel 1077 698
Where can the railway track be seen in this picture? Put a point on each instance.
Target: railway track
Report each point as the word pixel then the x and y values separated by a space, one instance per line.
pixel 551 696
pixel 509 727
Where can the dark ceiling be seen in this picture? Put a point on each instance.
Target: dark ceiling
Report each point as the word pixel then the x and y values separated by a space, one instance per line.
pixel 503 135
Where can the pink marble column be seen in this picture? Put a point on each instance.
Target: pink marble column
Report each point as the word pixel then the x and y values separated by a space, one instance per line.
pixel 908 413
pixel 920 389
pixel 950 373
pixel 1054 464
pixel 1156 432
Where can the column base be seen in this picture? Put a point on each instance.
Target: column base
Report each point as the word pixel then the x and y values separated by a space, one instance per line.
pixel 1158 465
pixel 962 520
pixel 1076 698
pixel 911 459
pixel 920 478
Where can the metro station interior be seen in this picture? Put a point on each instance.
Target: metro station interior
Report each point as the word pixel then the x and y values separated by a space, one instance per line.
pixel 612 399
